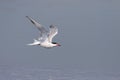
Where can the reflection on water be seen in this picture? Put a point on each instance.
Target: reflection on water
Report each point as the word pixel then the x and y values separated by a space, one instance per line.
pixel 38 73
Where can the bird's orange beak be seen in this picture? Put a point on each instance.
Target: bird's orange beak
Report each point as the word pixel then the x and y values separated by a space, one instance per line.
pixel 58 45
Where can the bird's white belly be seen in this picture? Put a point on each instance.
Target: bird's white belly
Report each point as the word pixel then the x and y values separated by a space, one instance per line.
pixel 46 44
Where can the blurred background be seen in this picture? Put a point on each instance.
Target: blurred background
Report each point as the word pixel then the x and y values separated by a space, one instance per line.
pixel 89 32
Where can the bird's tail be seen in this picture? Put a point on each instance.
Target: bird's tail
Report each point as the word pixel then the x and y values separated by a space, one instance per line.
pixel 36 42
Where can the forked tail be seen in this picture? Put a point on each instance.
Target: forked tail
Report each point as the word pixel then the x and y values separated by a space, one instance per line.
pixel 36 42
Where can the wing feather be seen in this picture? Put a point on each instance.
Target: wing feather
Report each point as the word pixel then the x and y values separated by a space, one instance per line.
pixel 52 33
pixel 43 31
pixel 39 26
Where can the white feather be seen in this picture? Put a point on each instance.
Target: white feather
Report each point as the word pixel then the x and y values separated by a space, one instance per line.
pixel 36 42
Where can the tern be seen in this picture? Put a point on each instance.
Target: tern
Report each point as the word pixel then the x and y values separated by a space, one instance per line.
pixel 45 39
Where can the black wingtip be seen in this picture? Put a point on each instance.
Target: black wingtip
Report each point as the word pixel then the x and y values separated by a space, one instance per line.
pixel 26 16
pixel 52 26
pixel 30 19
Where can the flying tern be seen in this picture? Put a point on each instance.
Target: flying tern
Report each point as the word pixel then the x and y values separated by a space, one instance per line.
pixel 45 39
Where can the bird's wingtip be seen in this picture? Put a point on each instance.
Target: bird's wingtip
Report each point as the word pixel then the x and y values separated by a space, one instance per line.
pixel 27 16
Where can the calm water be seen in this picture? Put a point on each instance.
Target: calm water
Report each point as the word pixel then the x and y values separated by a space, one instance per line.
pixel 42 73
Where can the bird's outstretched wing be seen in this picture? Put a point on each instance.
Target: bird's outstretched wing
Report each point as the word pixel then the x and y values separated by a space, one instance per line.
pixel 39 26
pixel 43 31
pixel 52 33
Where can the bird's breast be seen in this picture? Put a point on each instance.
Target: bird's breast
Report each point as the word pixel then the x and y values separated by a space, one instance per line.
pixel 46 44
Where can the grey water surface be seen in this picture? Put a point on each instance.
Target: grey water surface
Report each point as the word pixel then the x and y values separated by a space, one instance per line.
pixel 40 73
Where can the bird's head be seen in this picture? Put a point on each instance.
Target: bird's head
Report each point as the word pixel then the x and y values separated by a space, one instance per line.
pixel 56 44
